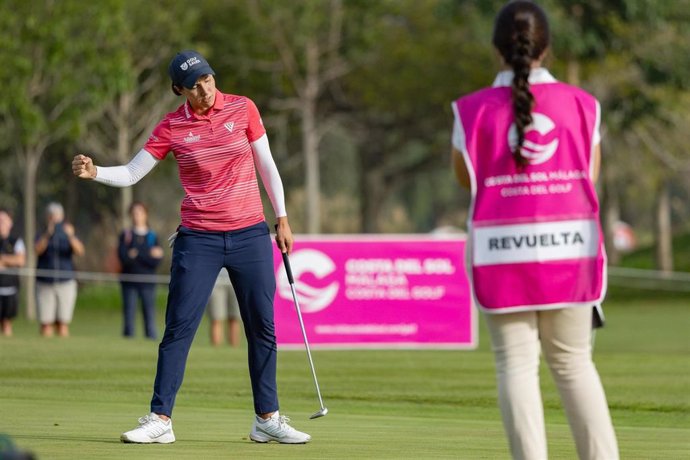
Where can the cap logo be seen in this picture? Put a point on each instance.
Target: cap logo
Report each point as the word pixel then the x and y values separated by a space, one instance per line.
pixel 189 63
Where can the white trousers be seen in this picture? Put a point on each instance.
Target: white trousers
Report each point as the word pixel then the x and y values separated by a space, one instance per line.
pixel 565 336
pixel 223 304
pixel 56 301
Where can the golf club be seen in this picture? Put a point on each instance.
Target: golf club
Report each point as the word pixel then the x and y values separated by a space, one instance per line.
pixel 288 270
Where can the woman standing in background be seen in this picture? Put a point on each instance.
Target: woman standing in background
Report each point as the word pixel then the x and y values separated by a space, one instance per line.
pixel 139 253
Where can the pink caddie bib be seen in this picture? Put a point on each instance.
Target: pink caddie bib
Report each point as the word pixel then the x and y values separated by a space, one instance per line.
pixel 535 238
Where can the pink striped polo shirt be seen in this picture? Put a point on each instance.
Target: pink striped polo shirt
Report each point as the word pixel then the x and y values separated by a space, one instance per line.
pixel 215 162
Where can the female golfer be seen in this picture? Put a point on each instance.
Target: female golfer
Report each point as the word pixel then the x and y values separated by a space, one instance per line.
pixel 528 147
pixel 217 140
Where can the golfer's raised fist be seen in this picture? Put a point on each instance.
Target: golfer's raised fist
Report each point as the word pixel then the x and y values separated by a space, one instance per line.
pixel 83 167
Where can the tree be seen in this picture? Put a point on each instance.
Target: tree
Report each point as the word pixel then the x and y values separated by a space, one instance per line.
pixel 57 67
pixel 419 57
pixel 307 40
pixel 638 82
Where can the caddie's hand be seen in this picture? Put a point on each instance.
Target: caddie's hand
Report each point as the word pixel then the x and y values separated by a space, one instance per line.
pixel 83 167
pixel 284 235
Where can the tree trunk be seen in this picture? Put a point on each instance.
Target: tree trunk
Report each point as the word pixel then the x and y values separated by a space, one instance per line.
pixel 310 139
pixel 124 142
pixel 32 158
pixel 664 234
pixel 372 196
pixel 372 189
pixel 610 206
pixel 126 198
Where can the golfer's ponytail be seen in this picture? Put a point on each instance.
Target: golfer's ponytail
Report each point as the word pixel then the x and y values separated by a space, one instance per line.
pixel 521 36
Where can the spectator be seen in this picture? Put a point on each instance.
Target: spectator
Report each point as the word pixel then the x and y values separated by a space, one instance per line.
pixel 139 254
pixel 12 255
pixel 224 308
pixel 56 291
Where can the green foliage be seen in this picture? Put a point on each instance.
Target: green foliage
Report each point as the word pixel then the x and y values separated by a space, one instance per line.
pixel 57 65
pixel 9 183
pixel 426 56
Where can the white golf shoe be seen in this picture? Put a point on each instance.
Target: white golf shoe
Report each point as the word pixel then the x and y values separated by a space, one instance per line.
pixel 151 429
pixel 276 429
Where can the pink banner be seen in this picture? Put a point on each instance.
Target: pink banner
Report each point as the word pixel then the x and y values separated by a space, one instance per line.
pixel 376 292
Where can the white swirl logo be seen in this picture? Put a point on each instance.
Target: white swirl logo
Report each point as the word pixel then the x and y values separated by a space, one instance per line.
pixel 534 152
pixel 311 299
pixel 184 66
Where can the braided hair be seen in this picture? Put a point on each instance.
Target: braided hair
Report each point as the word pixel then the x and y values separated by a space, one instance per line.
pixel 521 35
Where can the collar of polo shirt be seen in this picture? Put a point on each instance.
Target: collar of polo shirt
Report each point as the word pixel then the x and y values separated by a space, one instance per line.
pixel 218 104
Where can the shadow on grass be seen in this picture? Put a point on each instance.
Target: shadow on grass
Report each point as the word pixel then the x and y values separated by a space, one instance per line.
pixel 67 438
pixel 116 440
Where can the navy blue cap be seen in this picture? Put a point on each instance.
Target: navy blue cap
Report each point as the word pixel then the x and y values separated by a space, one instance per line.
pixel 186 68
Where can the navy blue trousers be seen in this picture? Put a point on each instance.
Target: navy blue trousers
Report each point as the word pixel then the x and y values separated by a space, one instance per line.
pixel 131 292
pixel 198 257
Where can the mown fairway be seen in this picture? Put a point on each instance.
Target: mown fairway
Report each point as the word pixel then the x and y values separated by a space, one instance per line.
pixel 71 399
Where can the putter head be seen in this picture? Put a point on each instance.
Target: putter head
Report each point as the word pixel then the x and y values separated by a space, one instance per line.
pixel 321 413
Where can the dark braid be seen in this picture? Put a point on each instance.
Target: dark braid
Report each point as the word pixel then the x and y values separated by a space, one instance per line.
pixel 523 99
pixel 521 35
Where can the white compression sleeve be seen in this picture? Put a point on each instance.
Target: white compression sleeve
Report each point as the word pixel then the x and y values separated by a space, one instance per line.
pixel 129 174
pixel 269 175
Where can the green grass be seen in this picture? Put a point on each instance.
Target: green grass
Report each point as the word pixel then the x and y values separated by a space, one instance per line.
pixel 67 399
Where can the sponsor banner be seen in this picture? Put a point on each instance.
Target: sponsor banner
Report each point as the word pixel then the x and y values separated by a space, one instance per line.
pixel 383 292
pixel 537 242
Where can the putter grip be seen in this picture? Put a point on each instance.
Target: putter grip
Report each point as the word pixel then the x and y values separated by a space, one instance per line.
pixel 288 269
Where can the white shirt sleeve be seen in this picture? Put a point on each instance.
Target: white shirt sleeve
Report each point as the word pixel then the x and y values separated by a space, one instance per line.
pixel 19 247
pixel 596 136
pixel 270 176
pixel 458 138
pixel 129 174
